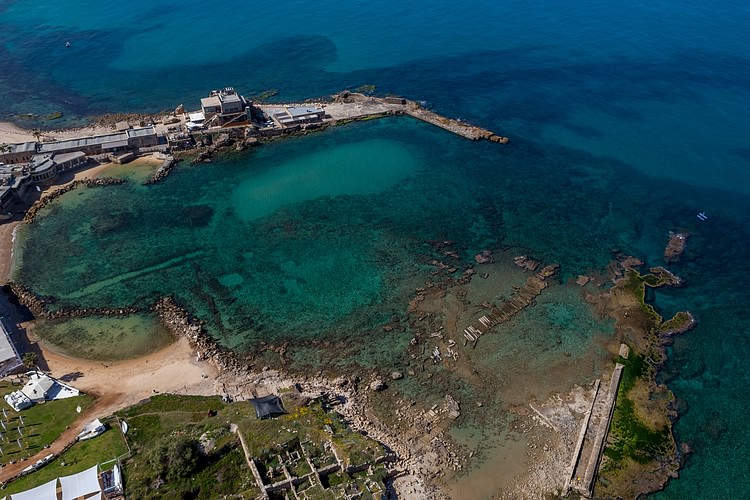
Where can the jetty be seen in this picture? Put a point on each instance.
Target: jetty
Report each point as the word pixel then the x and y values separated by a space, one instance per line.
pixel 521 298
pixel 355 106
pixel 592 438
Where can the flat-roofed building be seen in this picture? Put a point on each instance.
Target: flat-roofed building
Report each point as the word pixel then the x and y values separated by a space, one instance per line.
pixel 9 358
pixel 142 137
pixel 18 153
pixel 44 168
pixel 107 143
pixel 290 116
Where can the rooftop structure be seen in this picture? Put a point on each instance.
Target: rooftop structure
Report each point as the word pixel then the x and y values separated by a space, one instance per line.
pixel 107 143
pixel 9 358
pixel 18 153
pixel 225 106
pixel 16 180
pixel 89 484
pixel 39 388
pixel 290 116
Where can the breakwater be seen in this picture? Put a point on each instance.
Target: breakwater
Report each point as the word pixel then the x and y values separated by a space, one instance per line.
pixel 177 320
pixel 184 325
pixel 41 203
pixel 163 171
pixel 39 306
pixel 354 106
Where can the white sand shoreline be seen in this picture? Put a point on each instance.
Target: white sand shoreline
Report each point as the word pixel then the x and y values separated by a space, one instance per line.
pixel 10 133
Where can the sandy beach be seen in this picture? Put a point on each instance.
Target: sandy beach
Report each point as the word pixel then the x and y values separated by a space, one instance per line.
pixel 117 385
pixel 11 133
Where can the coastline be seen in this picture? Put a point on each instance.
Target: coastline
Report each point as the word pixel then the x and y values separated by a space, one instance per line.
pixel 11 133
pixel 539 458
pixel 92 172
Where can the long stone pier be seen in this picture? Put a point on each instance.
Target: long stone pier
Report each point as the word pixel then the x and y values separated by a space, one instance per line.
pixel 592 438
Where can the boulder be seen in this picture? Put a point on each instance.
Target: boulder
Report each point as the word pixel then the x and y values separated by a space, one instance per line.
pixel 397 375
pixel 377 385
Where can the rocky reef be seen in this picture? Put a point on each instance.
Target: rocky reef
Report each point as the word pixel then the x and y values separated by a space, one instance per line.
pixel 675 247
pixel 641 454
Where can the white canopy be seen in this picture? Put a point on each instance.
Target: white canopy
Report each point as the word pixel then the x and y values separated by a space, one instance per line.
pixel 47 491
pixel 81 484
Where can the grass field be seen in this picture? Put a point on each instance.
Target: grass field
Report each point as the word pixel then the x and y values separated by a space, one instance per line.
pixel 77 458
pixel 42 424
pixel 187 447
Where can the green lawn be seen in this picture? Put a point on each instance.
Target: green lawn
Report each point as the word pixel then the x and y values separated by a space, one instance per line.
pixel 42 424
pixel 79 457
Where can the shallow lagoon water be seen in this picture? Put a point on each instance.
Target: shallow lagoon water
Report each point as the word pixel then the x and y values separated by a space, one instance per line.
pixel 104 339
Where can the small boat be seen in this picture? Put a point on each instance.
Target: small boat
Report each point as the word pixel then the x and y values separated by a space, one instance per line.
pixel 702 216
pixel 67 44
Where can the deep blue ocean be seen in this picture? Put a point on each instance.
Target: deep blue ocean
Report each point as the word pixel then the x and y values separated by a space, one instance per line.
pixel 625 119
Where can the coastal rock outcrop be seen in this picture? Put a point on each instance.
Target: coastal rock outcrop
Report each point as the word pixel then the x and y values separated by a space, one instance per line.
pixel 675 247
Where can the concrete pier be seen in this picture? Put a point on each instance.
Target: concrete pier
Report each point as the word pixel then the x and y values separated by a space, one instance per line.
pixel 601 434
pixel 593 437
pixel 579 443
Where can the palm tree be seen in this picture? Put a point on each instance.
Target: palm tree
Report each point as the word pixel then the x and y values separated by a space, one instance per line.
pixel 29 360
pixel 36 133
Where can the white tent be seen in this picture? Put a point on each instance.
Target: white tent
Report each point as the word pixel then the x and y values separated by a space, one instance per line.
pixel 81 484
pixel 92 430
pixel 47 491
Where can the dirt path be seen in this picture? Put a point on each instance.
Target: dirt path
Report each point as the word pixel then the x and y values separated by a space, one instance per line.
pixel 117 385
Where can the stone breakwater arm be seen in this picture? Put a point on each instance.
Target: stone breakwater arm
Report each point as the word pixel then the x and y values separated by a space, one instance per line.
pixel 462 129
pixel 163 171
pixel 31 213
pixel 354 106
pixel 39 306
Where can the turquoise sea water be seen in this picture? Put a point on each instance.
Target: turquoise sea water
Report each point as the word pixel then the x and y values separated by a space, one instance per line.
pixel 625 118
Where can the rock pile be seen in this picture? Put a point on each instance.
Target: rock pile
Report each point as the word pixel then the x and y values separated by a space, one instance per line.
pixel 526 263
pixel 182 324
pixel 163 171
pixel 484 257
pixel 203 156
pixel 39 306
